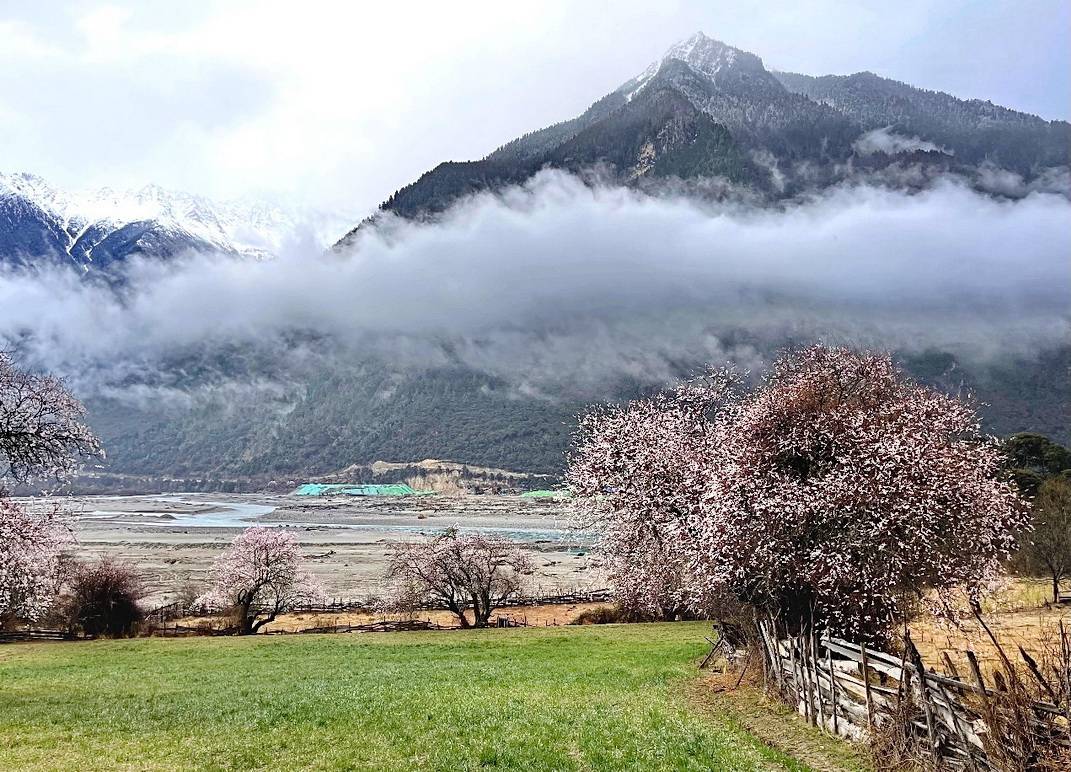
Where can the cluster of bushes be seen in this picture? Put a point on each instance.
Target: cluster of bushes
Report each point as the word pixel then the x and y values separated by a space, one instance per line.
pixel 101 599
pixel 618 613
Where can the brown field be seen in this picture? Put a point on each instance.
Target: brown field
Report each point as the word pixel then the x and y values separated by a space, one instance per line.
pixel 1018 615
pixel 534 616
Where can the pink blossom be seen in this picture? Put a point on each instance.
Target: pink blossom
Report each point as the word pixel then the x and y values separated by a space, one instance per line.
pixel 835 492
pixel 259 577
pixel 30 548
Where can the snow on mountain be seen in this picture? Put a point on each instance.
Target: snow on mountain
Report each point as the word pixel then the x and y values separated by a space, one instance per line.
pixel 708 111
pixel 704 55
pixel 96 227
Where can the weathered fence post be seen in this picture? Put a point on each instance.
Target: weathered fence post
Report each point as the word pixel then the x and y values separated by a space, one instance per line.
pixel 775 654
pixel 811 642
pixel 866 688
pixel 832 689
pixel 807 677
pixel 797 679
pixel 924 695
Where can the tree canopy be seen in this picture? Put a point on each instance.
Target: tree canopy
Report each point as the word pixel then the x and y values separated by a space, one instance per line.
pixel 831 494
pixel 259 577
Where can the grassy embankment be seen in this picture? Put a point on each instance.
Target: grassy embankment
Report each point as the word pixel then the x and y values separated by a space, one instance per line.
pixel 612 697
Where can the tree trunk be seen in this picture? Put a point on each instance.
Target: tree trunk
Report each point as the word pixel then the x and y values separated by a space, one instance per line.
pixel 255 626
pixel 1055 588
pixel 245 620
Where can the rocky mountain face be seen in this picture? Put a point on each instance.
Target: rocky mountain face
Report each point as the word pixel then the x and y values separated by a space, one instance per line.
pixel 95 229
pixel 706 109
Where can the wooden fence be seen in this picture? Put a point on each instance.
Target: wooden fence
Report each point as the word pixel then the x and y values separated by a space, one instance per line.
pixel 167 612
pixel 163 618
pixel 16 636
pixel 340 605
pixel 383 626
pixel 851 690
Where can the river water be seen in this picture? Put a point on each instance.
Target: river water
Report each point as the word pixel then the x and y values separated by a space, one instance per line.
pixel 237 515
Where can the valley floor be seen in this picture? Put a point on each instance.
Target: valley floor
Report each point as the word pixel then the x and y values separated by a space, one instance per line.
pixel 172 539
pixel 606 698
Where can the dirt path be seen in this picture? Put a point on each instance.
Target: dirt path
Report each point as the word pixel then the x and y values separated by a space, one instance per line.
pixel 775 724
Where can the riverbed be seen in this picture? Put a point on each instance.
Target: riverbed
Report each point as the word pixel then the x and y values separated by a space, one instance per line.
pixel 173 539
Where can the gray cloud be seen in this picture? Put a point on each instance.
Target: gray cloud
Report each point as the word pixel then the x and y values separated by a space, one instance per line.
pixel 559 282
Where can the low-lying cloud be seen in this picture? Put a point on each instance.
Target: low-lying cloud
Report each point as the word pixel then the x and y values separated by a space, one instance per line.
pixel 889 142
pixel 560 282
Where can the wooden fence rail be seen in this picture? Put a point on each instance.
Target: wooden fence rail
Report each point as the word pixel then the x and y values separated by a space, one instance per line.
pixel 16 636
pixel 340 605
pixel 167 612
pixel 851 690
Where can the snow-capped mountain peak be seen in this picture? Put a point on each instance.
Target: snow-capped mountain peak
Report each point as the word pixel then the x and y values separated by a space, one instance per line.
pixel 703 54
pixel 94 227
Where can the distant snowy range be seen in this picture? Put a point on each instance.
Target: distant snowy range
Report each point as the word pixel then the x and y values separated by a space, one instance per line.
pixel 708 210
pixel 92 229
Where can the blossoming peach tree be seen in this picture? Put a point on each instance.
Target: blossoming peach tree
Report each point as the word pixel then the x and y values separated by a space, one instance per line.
pixel 259 577
pixel 30 547
pixel 834 494
pixel 465 573
pixel 43 435
pixel 638 478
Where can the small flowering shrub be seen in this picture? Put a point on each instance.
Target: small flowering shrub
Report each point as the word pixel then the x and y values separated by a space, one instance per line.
pixel 831 495
pixel 259 577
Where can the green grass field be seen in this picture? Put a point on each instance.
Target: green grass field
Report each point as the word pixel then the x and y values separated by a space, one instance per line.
pixel 544 698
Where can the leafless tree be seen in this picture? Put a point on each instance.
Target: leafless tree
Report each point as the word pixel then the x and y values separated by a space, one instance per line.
pixel 461 572
pixel 1047 550
pixel 103 599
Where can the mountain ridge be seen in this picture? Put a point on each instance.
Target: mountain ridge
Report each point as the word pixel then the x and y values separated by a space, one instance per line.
pixel 308 402
pixel 785 133
pixel 95 228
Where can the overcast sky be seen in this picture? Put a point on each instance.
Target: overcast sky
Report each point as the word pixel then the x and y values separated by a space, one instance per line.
pixel 338 104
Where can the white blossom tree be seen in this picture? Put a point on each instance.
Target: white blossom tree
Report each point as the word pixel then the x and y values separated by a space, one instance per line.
pixel 30 547
pixel 638 476
pixel 827 496
pixel 461 572
pixel 42 435
pixel 259 577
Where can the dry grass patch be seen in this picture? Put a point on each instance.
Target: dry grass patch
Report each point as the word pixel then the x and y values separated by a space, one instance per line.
pixel 1019 615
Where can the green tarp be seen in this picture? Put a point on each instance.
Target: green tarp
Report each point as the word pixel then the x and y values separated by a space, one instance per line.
pixel 545 494
pixel 346 489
